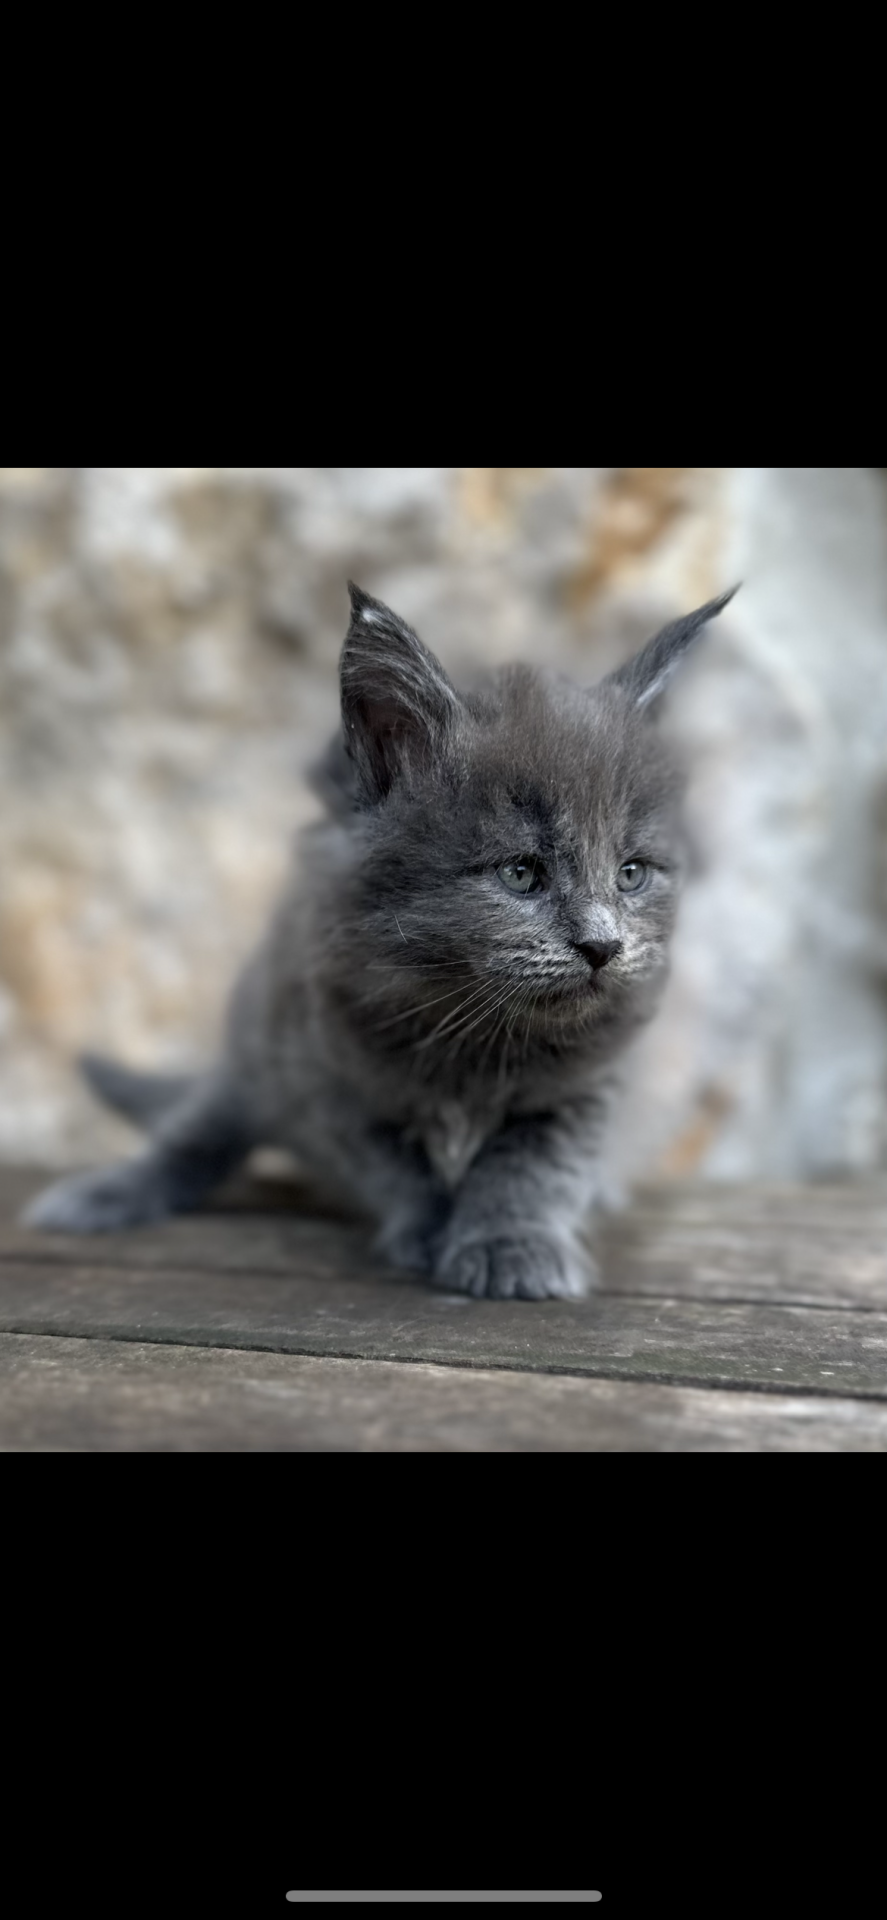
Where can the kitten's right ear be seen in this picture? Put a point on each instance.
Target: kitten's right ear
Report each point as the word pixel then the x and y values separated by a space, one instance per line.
pixel 397 703
pixel 645 676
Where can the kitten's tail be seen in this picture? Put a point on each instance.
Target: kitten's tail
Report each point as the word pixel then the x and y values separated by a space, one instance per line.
pixel 143 1098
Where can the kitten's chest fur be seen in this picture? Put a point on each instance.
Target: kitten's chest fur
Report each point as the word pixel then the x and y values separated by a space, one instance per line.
pixel 452 1115
pixel 452 1134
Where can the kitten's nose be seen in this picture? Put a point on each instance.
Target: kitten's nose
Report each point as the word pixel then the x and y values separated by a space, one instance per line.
pixel 599 952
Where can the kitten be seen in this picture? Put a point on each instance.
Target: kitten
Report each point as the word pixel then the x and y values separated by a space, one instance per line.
pixel 434 1022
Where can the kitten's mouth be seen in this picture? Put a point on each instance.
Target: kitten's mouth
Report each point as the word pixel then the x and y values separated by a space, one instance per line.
pixel 566 994
pixel 583 986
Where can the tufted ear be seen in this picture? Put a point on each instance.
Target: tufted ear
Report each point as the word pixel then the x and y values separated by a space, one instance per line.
pixel 397 703
pixel 648 672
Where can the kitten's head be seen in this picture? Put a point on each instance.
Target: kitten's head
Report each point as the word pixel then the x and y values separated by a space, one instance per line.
pixel 523 838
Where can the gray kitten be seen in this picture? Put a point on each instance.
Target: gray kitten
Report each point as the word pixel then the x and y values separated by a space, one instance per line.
pixel 434 1022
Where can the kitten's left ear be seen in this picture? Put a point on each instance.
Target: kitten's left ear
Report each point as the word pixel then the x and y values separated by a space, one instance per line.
pixel 397 703
pixel 644 677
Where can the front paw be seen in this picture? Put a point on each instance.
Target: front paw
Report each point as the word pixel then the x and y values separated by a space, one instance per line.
pixel 532 1268
pixel 96 1202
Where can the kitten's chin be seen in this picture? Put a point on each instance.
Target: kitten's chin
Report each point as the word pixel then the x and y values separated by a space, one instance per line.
pixel 571 1002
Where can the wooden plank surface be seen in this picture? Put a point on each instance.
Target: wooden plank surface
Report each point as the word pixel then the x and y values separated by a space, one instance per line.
pixel 802 1246
pixel 774 1297
pixel 817 1246
pixel 359 1315
pixel 95 1395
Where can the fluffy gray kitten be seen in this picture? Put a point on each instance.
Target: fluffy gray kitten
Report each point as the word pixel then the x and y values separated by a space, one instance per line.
pixel 434 1022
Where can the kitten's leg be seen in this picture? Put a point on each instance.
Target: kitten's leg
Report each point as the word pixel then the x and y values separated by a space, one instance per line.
pixel 198 1144
pixel 393 1179
pixel 516 1223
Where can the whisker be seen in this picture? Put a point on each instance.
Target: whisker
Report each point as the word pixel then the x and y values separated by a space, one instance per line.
pixel 516 1014
pixel 479 1008
pixel 491 1006
pixel 509 1031
pixel 513 996
pixel 529 1026
pixel 445 1023
pixel 421 1008
pixel 413 966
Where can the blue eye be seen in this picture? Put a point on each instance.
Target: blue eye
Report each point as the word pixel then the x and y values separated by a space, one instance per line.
pixel 521 876
pixel 632 876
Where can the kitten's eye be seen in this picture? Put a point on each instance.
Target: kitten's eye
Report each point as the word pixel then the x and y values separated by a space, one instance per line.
pixel 633 876
pixel 521 876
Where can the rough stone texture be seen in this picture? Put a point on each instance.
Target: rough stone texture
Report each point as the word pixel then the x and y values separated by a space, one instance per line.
pixel 168 646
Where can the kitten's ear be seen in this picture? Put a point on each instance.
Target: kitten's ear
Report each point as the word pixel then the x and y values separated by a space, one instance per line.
pixel 644 677
pixel 397 703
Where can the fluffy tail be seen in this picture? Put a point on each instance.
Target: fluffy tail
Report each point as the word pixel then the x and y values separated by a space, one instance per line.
pixel 143 1098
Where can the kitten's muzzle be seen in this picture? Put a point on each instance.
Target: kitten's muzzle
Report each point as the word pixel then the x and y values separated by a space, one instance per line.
pixel 599 953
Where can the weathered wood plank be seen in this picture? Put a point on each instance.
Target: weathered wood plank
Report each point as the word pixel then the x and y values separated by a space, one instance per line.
pixel 95 1395
pixel 324 1309
pixel 784 1259
pixel 797 1245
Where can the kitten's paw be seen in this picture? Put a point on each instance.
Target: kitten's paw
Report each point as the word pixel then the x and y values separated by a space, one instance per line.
pixel 96 1202
pixel 528 1269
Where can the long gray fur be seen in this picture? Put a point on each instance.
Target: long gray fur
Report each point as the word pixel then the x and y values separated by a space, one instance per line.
pixel 441 1050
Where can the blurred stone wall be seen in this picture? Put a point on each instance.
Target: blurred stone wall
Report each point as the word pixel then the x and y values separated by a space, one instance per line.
pixel 168 647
